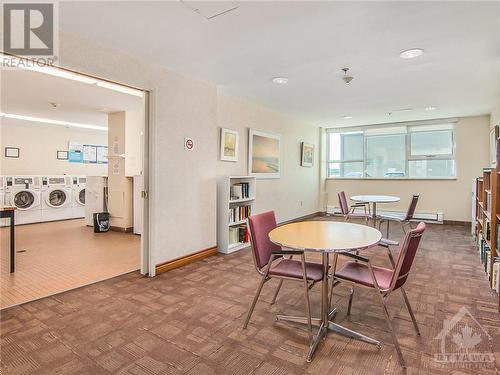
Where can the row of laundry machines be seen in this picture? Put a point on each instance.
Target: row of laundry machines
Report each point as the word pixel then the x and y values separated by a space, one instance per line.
pixel 44 198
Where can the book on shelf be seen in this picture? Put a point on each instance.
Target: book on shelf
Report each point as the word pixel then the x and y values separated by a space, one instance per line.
pixel 494 277
pixel 239 213
pixel 238 234
pixel 240 190
pixel 487 202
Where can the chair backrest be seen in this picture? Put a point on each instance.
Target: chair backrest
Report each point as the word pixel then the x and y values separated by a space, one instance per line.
pixel 407 253
pixel 413 205
pixel 344 207
pixel 260 225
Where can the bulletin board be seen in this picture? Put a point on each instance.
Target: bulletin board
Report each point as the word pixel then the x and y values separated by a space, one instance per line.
pixel 87 154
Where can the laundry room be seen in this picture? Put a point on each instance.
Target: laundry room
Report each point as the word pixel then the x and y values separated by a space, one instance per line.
pixel 71 173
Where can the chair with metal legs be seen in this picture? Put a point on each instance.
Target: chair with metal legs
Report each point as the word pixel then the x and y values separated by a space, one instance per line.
pixel 349 212
pixel 383 281
pixel 403 219
pixel 271 261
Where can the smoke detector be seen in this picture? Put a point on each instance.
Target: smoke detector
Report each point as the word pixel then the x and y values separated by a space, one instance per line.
pixel 54 105
pixel 347 78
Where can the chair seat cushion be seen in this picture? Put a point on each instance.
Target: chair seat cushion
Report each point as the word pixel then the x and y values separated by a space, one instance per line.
pixel 393 216
pixel 359 273
pixel 293 268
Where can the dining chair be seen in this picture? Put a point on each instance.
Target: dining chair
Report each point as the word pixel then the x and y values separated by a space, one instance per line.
pixel 271 261
pixel 403 218
pixel 383 281
pixel 348 212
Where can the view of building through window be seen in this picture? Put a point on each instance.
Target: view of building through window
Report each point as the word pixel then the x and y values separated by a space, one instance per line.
pixel 400 151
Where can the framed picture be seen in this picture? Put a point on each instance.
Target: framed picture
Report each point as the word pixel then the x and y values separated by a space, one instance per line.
pixel 62 155
pixel 307 154
pixel 229 143
pixel 11 152
pixel 264 154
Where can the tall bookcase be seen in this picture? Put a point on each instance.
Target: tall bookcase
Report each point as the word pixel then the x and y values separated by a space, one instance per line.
pixel 488 219
pixel 232 210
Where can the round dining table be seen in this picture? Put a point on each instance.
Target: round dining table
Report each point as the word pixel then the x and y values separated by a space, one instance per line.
pixel 325 237
pixel 374 200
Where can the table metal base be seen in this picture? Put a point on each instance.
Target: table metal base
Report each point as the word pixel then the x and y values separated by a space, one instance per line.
pixel 323 331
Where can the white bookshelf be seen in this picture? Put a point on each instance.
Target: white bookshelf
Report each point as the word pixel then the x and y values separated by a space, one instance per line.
pixel 224 204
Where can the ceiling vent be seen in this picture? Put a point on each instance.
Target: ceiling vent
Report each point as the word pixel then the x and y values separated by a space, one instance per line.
pixel 211 9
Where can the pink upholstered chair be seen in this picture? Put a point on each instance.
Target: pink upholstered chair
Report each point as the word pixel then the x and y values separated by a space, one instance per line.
pixel 403 219
pixel 348 212
pixel 271 261
pixel 383 281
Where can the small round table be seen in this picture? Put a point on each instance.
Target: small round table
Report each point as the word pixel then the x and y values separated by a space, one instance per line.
pixel 374 199
pixel 325 237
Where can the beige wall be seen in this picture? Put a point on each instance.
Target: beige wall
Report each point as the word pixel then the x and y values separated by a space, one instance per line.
pixel 296 192
pixel 39 143
pixel 183 183
pixel 452 197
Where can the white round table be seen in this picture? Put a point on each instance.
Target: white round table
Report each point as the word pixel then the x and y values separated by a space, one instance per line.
pixel 374 199
pixel 325 237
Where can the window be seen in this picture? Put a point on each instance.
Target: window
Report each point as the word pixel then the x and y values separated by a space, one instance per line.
pixel 402 151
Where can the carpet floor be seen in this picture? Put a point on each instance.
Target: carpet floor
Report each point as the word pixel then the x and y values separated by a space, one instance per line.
pixel 189 321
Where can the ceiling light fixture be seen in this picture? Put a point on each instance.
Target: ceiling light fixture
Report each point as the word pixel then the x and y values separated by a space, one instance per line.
pixel 347 78
pixel 62 74
pixel 411 53
pixel 280 80
pixel 430 108
pixel 348 117
pixel 120 88
pixel 54 122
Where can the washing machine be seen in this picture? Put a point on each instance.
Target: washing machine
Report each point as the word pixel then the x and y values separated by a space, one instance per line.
pixel 56 198
pixel 24 193
pixel 78 196
pixel 3 222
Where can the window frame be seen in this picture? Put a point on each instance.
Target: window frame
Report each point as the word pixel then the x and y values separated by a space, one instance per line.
pixel 408 156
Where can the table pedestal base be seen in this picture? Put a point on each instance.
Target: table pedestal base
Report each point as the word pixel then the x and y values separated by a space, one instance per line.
pixel 323 331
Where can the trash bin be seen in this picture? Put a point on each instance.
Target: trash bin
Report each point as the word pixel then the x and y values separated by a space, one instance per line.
pixel 101 222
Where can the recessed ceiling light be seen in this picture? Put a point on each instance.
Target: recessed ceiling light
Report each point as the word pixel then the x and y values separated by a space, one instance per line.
pixel 411 53
pixel 430 108
pixel 280 80
pixel 347 117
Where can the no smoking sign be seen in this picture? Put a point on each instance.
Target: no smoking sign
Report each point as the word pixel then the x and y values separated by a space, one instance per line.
pixel 188 144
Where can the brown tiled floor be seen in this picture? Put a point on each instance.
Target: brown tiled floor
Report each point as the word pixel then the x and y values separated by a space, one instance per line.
pixel 58 256
pixel 188 321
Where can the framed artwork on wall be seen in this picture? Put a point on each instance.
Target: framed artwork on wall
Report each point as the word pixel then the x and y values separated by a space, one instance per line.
pixel 307 154
pixel 229 143
pixel 62 155
pixel 12 152
pixel 264 154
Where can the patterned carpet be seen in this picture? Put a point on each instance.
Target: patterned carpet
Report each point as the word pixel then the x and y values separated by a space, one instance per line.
pixel 188 321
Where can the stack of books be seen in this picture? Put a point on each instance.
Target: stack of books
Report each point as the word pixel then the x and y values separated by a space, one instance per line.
pixel 240 191
pixel 239 213
pixel 238 234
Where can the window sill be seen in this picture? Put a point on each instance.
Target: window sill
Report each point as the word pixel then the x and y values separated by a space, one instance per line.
pixel 394 178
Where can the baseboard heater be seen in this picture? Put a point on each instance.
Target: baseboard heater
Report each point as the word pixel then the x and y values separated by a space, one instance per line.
pixel 428 217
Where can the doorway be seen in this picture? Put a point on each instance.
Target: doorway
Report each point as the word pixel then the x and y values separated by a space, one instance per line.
pixel 82 149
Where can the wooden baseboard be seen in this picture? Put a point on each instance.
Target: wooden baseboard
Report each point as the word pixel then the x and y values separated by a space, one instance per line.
pixel 182 261
pixel 122 230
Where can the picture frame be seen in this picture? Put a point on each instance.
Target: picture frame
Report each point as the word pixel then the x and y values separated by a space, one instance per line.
pixel 264 154
pixel 12 152
pixel 306 154
pixel 62 155
pixel 229 145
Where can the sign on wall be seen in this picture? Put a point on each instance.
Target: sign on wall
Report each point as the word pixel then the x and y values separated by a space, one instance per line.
pixel 87 154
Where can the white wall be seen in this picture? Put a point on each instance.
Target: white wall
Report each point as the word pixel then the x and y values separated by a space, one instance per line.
pixel 183 190
pixel 452 197
pixel 39 143
pixel 296 193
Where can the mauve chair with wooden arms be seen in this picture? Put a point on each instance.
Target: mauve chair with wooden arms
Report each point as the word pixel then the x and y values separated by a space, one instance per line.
pixel 348 212
pixel 403 218
pixel 383 281
pixel 271 262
